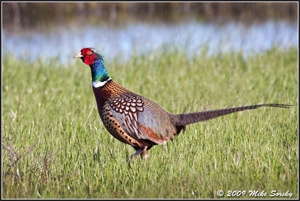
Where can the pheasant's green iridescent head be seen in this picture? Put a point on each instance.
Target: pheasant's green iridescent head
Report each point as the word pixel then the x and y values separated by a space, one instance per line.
pixel 94 59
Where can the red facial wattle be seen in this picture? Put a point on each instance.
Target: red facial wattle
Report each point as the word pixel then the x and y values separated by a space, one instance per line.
pixel 88 59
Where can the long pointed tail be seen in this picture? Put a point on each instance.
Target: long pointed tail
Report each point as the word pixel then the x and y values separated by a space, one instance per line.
pixel 181 120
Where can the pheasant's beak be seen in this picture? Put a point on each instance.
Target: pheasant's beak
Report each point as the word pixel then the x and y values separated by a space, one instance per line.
pixel 78 55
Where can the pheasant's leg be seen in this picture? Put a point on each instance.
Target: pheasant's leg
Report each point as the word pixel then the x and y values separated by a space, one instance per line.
pixel 165 149
pixel 133 156
pixel 144 154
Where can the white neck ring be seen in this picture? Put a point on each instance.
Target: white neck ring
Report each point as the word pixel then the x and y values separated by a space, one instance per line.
pixel 97 84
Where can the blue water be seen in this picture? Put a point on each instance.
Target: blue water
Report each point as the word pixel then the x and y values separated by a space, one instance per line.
pixel 63 42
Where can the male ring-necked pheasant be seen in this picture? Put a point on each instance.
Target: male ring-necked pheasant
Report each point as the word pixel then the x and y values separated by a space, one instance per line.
pixel 136 120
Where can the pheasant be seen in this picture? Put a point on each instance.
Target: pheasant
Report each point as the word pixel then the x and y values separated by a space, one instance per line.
pixel 136 120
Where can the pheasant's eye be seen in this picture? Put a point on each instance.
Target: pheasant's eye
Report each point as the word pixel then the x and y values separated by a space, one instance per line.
pixel 89 52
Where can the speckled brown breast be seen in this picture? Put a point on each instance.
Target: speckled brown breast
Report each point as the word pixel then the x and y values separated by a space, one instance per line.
pixel 115 129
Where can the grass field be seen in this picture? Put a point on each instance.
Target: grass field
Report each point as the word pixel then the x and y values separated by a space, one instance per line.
pixel 55 146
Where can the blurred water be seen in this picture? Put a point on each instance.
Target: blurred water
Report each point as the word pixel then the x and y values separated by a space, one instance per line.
pixel 62 43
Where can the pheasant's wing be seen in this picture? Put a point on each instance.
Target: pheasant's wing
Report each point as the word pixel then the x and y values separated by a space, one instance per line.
pixel 142 119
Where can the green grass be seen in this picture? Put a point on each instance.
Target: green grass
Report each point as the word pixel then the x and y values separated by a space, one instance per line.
pixel 55 146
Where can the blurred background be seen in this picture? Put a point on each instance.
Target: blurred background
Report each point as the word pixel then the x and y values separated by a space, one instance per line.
pixel 58 30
